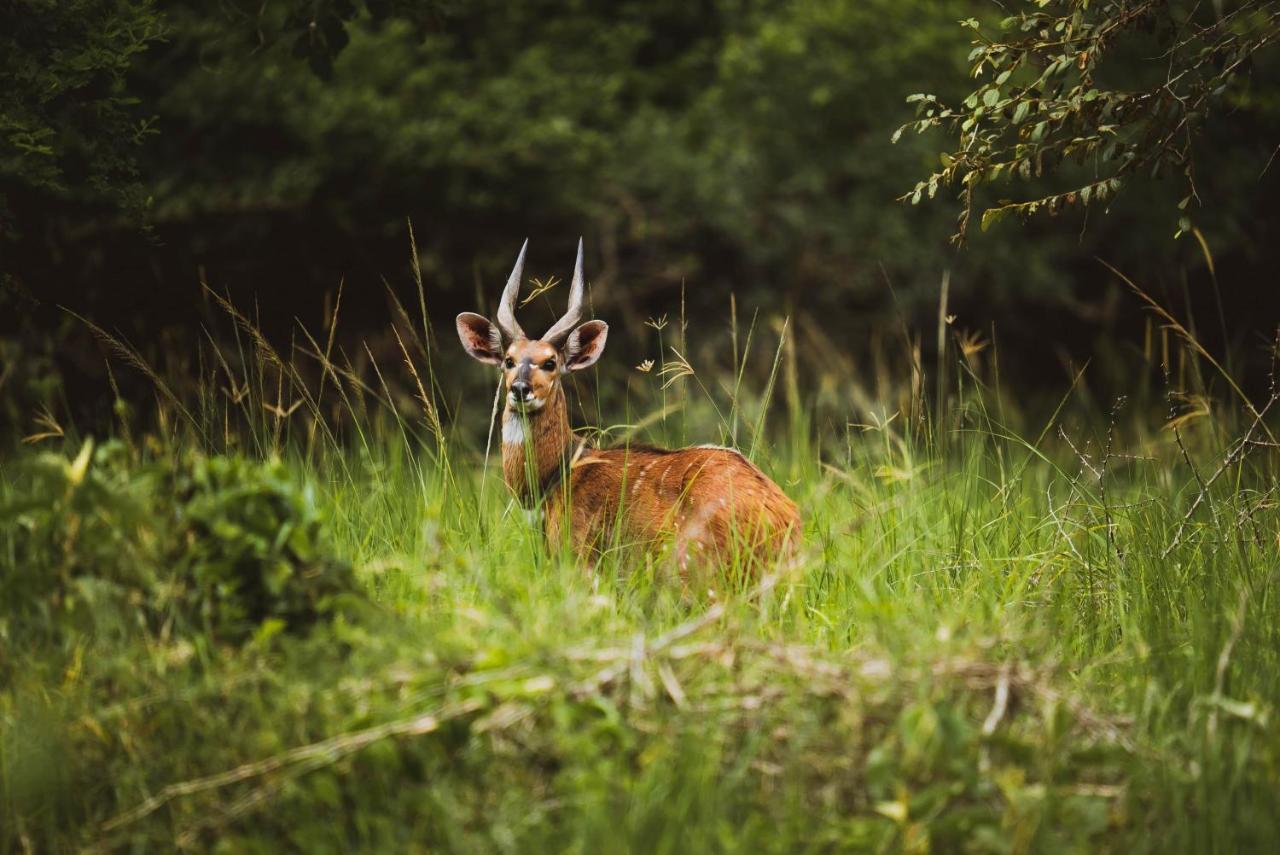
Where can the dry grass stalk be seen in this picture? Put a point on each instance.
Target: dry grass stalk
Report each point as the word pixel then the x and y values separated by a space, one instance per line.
pixel 330 750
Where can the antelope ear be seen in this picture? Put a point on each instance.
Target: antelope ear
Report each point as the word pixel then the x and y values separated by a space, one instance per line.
pixel 480 339
pixel 584 345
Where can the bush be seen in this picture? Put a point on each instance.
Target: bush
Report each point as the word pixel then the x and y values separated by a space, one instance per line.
pixel 94 546
pixel 249 549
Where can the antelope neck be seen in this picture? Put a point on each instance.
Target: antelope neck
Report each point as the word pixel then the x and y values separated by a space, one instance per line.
pixel 537 443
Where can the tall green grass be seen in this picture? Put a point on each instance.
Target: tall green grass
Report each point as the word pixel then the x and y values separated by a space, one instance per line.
pixel 1007 632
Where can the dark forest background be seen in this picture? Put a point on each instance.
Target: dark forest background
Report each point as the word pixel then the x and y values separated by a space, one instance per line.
pixel 274 150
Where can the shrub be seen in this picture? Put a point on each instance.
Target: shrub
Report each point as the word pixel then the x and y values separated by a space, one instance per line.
pixel 249 548
pixel 96 546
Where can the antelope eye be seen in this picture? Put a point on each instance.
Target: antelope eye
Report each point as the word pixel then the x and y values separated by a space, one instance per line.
pixel 510 363
pixel 549 365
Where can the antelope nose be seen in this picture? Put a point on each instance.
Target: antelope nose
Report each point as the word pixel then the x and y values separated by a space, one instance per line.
pixel 522 390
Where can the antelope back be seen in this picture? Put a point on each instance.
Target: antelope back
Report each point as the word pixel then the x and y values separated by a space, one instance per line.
pixel 708 501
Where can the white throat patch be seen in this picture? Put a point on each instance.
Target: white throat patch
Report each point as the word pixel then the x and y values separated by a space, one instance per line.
pixel 513 429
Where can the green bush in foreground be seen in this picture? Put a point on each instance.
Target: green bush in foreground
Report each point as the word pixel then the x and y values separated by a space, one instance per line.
pixel 220 547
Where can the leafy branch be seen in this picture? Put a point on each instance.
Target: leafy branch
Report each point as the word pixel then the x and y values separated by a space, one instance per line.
pixel 1043 102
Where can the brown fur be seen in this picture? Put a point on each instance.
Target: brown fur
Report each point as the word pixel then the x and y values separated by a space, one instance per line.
pixel 709 504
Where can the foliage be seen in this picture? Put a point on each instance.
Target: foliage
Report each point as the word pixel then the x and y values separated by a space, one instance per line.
pixel 99 547
pixel 253 549
pixel 700 148
pixel 313 31
pixel 67 116
pixel 318 31
pixel 734 145
pixel 1122 88
pixel 1003 634
pixel 1000 636
pixel 67 120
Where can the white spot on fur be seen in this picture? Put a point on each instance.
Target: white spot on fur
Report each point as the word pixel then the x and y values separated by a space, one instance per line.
pixel 512 430
pixel 693 535
pixel 640 477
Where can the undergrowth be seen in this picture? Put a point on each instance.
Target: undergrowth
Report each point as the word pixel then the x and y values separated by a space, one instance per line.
pixel 298 610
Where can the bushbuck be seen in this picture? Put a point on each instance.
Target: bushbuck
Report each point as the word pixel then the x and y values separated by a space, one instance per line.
pixel 708 503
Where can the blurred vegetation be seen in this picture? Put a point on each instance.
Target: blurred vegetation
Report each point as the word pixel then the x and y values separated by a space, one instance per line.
pixel 256 568
pixel 215 548
pixel 703 149
pixel 69 126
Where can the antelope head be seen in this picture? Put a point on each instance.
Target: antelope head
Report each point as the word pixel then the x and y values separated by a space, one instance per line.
pixel 533 367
